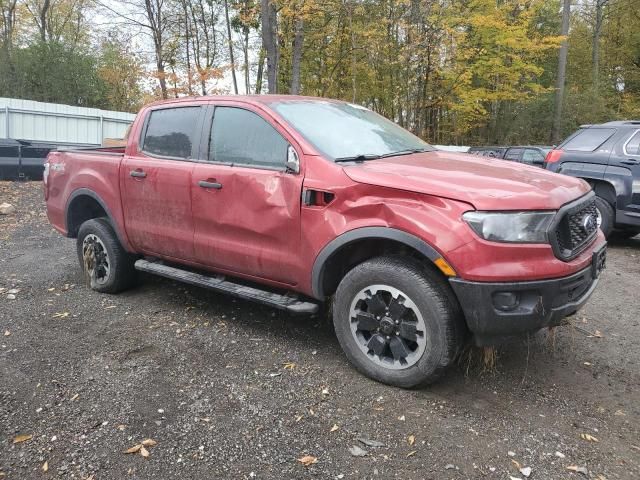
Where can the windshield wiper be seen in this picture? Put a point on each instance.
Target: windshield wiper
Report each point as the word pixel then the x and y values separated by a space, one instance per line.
pixel 403 152
pixel 358 158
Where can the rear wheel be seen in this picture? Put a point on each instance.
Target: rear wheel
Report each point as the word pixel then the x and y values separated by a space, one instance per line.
pixel 606 216
pixel 106 264
pixel 396 322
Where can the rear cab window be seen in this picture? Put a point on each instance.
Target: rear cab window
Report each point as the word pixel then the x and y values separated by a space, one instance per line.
pixel 588 139
pixel 171 132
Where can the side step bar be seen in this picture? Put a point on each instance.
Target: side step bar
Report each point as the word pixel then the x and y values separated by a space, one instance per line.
pixel 219 283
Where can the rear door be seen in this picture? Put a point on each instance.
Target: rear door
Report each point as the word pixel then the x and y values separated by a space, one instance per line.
pixel 156 181
pixel 624 165
pixel 586 153
pixel 246 205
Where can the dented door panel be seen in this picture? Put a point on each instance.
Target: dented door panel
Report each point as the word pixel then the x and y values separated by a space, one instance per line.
pixel 251 225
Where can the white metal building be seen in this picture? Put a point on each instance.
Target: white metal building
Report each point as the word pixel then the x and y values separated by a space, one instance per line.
pixel 54 124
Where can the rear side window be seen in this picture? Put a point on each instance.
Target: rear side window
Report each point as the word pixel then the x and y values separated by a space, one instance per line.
pixel 242 137
pixel 589 139
pixel 632 147
pixel 532 156
pixel 513 154
pixel 171 132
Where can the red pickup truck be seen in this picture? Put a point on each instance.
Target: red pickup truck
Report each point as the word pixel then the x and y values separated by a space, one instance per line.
pixel 297 201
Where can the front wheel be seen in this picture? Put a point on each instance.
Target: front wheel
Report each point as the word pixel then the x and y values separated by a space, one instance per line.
pixel 106 264
pixel 396 322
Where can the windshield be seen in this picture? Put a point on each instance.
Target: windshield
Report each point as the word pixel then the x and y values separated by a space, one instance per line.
pixel 344 131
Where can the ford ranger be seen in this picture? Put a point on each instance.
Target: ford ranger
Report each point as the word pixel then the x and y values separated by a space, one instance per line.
pixel 300 202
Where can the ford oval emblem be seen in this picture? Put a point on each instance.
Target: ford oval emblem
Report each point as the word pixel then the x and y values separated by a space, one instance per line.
pixel 589 223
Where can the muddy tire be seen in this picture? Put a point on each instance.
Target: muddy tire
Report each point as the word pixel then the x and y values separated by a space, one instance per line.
pixel 106 265
pixel 397 322
pixel 606 216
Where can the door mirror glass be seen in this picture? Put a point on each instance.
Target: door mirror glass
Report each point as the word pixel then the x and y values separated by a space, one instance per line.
pixel 293 162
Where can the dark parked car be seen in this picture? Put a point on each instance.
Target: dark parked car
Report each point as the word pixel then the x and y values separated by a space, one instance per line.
pixel 608 157
pixel 493 152
pixel 529 154
pixel 22 160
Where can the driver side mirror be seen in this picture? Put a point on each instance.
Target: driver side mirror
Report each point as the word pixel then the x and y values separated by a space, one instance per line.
pixel 293 162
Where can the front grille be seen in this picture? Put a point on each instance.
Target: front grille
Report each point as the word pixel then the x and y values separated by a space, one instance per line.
pixel 576 227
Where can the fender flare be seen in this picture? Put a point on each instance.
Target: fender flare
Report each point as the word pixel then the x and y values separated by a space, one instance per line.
pixel 90 193
pixel 383 233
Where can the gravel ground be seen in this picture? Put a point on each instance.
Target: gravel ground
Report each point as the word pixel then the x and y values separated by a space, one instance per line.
pixel 229 389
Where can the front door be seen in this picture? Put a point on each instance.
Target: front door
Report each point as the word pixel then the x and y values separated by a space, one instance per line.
pixel 246 205
pixel 156 183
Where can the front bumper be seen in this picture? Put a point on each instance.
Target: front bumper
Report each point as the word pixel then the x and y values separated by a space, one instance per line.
pixel 497 311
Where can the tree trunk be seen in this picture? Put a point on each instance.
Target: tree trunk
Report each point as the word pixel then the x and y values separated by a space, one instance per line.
pixel 233 63
pixel 270 43
pixel 187 40
pixel 562 73
pixel 298 40
pixel 161 75
pixel 260 70
pixel 595 51
pixel 43 20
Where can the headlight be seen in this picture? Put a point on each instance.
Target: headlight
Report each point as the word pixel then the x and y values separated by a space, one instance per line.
pixel 516 227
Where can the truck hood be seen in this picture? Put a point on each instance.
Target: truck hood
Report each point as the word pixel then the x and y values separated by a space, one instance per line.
pixel 485 183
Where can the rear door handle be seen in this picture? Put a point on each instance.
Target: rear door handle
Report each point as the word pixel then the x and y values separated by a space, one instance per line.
pixel 138 173
pixel 630 161
pixel 207 184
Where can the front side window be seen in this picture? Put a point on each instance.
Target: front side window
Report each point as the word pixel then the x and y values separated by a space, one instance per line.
pixel 588 139
pixel 171 132
pixel 342 130
pixel 242 137
pixel 632 147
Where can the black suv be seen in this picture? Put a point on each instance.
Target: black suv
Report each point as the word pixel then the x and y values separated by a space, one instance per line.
pixel 608 157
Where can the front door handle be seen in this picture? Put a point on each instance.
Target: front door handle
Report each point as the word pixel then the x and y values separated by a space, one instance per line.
pixel 207 184
pixel 630 161
pixel 138 173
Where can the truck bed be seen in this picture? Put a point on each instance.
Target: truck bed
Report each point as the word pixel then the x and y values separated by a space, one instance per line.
pixel 73 172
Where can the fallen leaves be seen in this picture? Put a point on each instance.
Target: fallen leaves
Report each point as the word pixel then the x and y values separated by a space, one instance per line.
pixel 22 438
pixel 411 453
pixel 577 469
pixel 411 439
pixel 140 447
pixel 356 451
pixel 289 365
pixel 60 315
pixel 589 438
pixel 370 443
pixel 45 466
pixel 334 428
pixel 134 449
pixel 75 397
pixel 308 460
pixel 7 333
